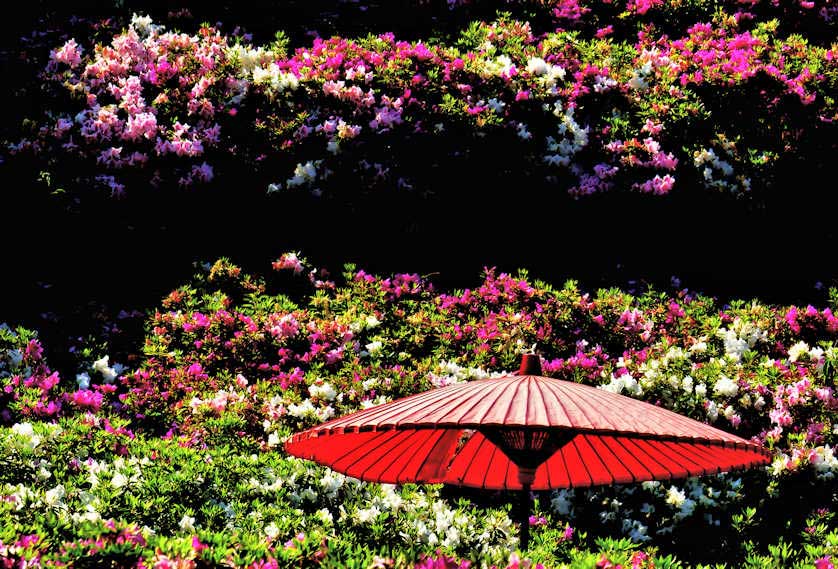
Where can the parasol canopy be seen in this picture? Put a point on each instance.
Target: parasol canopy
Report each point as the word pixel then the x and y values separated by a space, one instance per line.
pixel 522 432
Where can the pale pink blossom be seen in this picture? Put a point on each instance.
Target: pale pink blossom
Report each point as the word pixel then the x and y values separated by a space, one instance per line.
pixel 69 54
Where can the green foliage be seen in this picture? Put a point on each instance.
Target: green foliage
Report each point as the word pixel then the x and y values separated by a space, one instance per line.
pixel 184 458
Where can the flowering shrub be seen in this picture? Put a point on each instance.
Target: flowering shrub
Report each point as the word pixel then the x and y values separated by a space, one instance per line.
pixel 818 16
pixel 29 386
pixel 640 111
pixel 178 459
pixel 149 102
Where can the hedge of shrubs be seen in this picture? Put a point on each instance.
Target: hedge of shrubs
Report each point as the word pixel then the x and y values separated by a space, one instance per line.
pixel 585 97
pixel 166 451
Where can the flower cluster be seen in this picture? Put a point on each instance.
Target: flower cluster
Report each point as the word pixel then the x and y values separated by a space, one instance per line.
pixel 28 384
pixel 589 14
pixel 152 101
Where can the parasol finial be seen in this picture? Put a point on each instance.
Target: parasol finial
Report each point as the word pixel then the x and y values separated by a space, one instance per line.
pixel 530 364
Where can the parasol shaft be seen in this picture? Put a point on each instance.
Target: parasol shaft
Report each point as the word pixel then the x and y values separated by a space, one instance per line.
pixel 524 518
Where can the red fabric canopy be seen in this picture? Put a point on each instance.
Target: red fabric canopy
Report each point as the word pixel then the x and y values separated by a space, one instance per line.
pixel 428 456
pixel 477 434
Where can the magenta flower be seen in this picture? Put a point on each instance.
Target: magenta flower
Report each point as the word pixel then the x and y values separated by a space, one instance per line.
pixel 824 563
pixel 568 533
pixel 197 546
pixel 441 561
pixel 538 521
pixel 638 559
pixel 87 399
pixel 604 32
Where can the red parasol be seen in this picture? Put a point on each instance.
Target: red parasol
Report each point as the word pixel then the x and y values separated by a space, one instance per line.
pixel 522 432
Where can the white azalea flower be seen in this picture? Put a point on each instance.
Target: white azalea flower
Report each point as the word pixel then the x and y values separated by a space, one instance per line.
pixel 374 347
pixel 537 66
pixel 675 496
pixel 323 391
pixel 380 400
pixel 368 515
pixel 101 364
pixel 712 411
pixel 27 435
pixel 23 429
pixel 778 466
pixel 119 480
pixel 496 105
pixel 687 508
pixel 187 523
pixel 391 499
pixel 797 350
pixel 638 83
pixel 15 358
pixel 43 471
pixel 562 502
pixel 53 497
pixel 331 482
pixel 729 412
pixel 143 25
pixel 271 530
pixel 825 462
pixel 325 413
pixel 725 387
pixel 302 409
pixel 109 375
pixel 625 383
pixel 699 347
pixel 83 380
pixel 325 515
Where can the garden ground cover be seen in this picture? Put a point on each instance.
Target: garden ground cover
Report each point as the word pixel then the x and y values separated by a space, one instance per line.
pixel 170 452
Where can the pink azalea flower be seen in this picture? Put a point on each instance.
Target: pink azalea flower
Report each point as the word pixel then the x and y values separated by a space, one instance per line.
pixel 69 54
pixel 605 32
pixel 289 261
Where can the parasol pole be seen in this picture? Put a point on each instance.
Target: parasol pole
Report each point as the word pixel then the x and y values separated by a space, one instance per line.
pixel 524 519
pixel 530 365
pixel 526 476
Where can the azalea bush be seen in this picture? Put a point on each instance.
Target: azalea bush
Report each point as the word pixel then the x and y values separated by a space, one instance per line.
pixel 149 96
pixel 173 454
pixel 585 97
